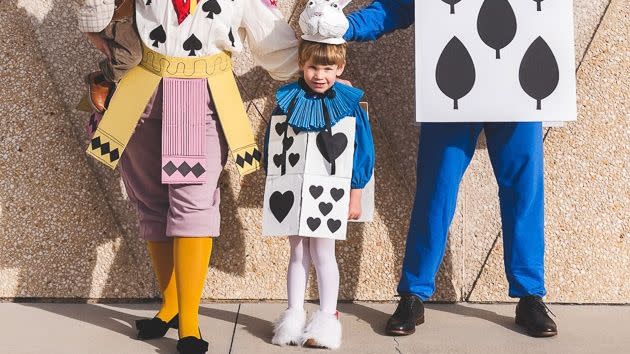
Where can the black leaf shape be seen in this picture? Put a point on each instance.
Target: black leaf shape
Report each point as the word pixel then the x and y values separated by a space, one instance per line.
pixel 231 37
pixel 539 74
pixel 538 5
pixel 452 3
pixel 212 7
pixel 455 71
pixel 281 204
pixel 496 24
pixel 192 44
pixel 158 36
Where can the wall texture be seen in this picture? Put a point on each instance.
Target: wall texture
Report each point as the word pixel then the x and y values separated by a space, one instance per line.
pixel 67 230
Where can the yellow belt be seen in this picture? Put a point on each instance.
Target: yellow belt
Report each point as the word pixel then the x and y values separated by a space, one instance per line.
pixel 136 88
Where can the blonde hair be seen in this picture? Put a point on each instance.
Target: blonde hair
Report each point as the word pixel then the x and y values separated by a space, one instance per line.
pixel 322 53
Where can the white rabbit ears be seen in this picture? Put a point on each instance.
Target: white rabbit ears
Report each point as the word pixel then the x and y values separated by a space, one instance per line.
pixel 324 21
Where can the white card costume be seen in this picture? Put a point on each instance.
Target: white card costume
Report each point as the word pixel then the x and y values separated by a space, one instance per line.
pixel 307 200
pixel 495 60
pixel 310 171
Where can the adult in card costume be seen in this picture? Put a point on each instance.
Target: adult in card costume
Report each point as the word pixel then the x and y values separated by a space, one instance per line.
pixel 170 123
pixel 445 150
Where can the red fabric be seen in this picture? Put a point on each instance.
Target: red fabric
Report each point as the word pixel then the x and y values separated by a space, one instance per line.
pixel 182 8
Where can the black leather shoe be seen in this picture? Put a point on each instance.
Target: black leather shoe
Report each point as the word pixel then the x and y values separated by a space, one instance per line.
pixel 192 345
pixel 155 327
pixel 533 315
pixel 408 314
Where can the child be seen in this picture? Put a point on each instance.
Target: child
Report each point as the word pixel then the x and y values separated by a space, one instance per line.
pixel 120 42
pixel 315 179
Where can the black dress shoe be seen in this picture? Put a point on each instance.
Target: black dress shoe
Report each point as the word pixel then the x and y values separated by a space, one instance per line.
pixel 408 314
pixel 155 327
pixel 533 315
pixel 192 345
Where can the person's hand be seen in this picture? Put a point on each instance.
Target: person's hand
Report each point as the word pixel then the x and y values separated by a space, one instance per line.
pixel 354 213
pixel 99 43
pixel 345 82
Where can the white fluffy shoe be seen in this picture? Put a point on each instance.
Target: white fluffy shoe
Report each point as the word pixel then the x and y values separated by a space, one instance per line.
pixel 288 329
pixel 323 331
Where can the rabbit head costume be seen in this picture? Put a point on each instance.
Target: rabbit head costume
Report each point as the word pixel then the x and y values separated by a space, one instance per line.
pixel 323 21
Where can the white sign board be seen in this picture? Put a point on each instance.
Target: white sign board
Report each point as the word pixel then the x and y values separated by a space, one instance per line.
pixel 495 60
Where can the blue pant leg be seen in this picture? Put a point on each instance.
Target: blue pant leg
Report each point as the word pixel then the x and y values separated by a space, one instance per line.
pixel 444 152
pixel 516 153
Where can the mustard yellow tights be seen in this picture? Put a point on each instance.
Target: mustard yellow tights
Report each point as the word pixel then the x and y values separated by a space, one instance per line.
pixel 181 267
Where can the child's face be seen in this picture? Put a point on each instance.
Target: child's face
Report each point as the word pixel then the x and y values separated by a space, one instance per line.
pixel 320 78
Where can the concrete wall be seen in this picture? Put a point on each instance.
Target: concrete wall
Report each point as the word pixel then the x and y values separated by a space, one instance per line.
pixel 67 230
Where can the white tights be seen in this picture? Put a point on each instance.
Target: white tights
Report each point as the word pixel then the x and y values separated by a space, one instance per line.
pixel 320 251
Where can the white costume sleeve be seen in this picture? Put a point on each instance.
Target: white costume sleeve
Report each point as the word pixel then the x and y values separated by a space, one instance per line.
pixel 271 39
pixel 94 15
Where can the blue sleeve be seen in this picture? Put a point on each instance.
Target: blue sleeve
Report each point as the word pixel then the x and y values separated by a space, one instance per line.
pixel 379 18
pixel 363 164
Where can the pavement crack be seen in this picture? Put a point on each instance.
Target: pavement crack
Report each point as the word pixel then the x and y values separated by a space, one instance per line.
pixel 397 347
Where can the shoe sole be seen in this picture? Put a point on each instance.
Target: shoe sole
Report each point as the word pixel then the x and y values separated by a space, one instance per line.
pixel 395 333
pixel 535 334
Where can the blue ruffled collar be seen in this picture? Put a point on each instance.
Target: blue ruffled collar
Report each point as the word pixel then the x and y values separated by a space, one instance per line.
pixel 307 112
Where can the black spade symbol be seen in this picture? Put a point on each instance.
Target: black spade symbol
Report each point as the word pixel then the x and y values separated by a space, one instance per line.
pixel 281 128
pixel 336 194
pixel 538 5
pixel 192 44
pixel 280 204
pixel 335 143
pixel 212 7
pixel 313 223
pixel 539 73
pixel 325 208
pixel 287 143
pixel 452 3
pixel 496 24
pixel 158 36
pixel 277 160
pixel 455 71
pixel 316 191
pixel 293 159
pixel 333 225
pixel 231 37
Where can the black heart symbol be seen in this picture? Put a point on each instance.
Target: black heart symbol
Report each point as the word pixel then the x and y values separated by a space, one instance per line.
pixel 313 223
pixel 295 131
pixel 293 159
pixel 287 143
pixel 325 208
pixel 335 143
pixel 281 128
pixel 277 160
pixel 316 191
pixel 281 204
pixel 336 194
pixel 333 225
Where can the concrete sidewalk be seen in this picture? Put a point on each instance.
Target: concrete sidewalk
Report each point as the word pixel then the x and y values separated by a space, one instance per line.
pixel 246 328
